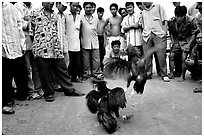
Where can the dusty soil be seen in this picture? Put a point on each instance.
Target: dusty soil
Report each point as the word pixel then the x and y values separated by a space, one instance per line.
pixel 164 109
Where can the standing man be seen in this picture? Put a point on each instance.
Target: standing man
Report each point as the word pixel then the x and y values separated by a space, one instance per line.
pixel 49 53
pixel 73 24
pixel 133 28
pixel 101 35
pixel 61 22
pixel 154 35
pixel 89 42
pixel 13 64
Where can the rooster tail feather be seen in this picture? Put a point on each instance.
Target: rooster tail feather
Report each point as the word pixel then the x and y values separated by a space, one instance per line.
pixel 108 122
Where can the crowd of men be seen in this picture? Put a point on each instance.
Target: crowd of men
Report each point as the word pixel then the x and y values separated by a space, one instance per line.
pixel 47 49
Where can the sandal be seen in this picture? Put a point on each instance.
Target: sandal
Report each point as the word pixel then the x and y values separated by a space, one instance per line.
pixel 7 110
pixel 49 98
pixel 34 96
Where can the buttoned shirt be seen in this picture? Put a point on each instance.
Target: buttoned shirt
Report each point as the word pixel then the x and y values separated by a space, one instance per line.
pixel 23 11
pixel 185 30
pixel 13 38
pixel 133 35
pixel 46 43
pixel 152 22
pixel 73 29
pixel 61 26
pixel 89 38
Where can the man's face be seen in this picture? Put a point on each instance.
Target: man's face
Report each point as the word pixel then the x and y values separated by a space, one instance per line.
pixel 88 9
pixel 180 18
pixel 123 13
pixel 113 11
pixel 116 48
pixel 94 8
pixel 199 39
pixel 130 9
pixel 61 7
pixel 48 5
pixel 141 7
pixel 74 6
pixel 100 15
pixel 147 4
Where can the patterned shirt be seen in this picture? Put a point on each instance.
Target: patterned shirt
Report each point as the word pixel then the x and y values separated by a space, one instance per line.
pixel 186 29
pixel 13 38
pixel 44 29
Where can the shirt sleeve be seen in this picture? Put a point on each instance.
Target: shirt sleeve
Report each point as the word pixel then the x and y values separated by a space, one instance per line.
pixel 162 13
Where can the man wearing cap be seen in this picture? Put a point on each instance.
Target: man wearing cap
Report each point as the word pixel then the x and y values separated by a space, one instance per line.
pixel 49 53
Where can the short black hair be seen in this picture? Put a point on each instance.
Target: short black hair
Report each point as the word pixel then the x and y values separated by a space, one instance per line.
pixel 114 5
pixel 120 10
pixel 138 3
pixel 100 9
pixel 129 3
pixel 180 11
pixel 115 42
pixel 86 3
pixel 93 4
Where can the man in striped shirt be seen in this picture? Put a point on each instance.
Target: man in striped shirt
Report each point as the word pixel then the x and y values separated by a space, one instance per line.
pixel 132 27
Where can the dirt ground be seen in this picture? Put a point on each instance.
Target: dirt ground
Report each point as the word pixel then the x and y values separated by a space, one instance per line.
pixel 164 109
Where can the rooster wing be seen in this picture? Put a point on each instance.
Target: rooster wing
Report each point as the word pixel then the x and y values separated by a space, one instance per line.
pixel 92 101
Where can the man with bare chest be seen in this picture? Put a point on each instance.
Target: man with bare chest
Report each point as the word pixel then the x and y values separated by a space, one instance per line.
pixel 114 23
pixel 101 34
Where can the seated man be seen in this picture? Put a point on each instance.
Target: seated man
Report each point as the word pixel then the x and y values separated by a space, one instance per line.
pixel 115 52
pixel 194 62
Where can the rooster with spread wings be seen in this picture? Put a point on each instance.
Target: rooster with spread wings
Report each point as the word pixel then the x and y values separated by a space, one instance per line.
pixel 132 70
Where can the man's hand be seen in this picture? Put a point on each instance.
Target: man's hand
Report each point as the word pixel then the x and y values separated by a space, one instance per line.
pixel 189 62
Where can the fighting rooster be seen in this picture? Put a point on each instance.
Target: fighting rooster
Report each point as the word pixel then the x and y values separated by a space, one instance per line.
pixel 132 70
pixel 92 98
pixel 107 103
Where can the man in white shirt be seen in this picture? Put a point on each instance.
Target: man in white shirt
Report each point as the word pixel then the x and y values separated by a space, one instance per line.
pixel 73 24
pixel 89 42
pixel 154 22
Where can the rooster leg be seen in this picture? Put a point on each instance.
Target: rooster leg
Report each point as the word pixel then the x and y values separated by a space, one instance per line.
pixel 117 113
pixel 126 118
pixel 129 81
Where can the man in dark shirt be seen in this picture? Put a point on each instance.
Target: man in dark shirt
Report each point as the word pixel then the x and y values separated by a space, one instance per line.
pixel 182 29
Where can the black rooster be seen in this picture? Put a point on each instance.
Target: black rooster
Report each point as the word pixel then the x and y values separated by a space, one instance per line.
pixel 132 70
pixel 109 105
pixel 107 102
pixel 92 98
